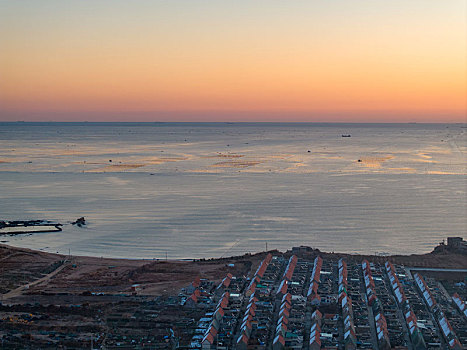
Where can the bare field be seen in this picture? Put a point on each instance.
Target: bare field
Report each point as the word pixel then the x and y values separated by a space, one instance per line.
pixel 29 272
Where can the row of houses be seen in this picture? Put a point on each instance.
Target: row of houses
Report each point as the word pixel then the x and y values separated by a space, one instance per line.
pixel 356 293
pixel 446 329
pixel 429 329
pixel 456 318
pixel 258 316
pixel 312 293
pixel 398 335
pixel 416 336
pixel 291 308
pixel 246 327
pixel 315 330
pixel 211 334
pixel 224 285
pixel 372 298
pixel 460 304
pixel 282 322
pixel 287 277
pixel 345 302
pixel 449 308
pixel 215 328
pixel 279 303
pixel 199 291
pixel 258 275
pixel 327 303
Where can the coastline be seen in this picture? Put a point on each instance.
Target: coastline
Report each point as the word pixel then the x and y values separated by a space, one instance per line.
pixel 81 274
pixel 411 260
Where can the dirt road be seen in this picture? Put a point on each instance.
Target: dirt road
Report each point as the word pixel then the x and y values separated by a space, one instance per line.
pixel 18 291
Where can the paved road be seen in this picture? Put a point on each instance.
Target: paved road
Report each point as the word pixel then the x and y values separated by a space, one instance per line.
pixel 409 270
pixel 436 269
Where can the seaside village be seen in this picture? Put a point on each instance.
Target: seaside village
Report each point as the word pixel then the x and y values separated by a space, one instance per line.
pixel 290 301
pixel 300 304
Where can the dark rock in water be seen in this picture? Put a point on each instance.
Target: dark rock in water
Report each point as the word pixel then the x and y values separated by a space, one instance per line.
pixel 79 222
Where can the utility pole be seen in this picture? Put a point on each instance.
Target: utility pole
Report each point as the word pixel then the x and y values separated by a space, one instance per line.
pixel 266 246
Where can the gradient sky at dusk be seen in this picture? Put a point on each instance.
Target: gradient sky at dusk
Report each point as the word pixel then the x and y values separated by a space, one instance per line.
pixel 191 60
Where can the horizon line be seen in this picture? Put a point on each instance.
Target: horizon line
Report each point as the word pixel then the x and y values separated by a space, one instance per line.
pixel 219 122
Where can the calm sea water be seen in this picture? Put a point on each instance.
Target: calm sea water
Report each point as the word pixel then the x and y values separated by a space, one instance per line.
pixel 216 189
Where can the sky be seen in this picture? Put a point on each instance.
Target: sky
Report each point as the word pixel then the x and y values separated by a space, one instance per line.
pixel 265 60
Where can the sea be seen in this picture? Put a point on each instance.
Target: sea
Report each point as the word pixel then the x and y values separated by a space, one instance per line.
pixel 208 190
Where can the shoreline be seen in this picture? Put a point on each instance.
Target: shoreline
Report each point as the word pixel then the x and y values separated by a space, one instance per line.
pixel 294 250
pixel 9 241
pixel 58 274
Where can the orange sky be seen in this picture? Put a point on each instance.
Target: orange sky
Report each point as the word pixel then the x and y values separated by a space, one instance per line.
pixel 250 61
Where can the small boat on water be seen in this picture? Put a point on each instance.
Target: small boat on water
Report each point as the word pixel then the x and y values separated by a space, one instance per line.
pixel 346 135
